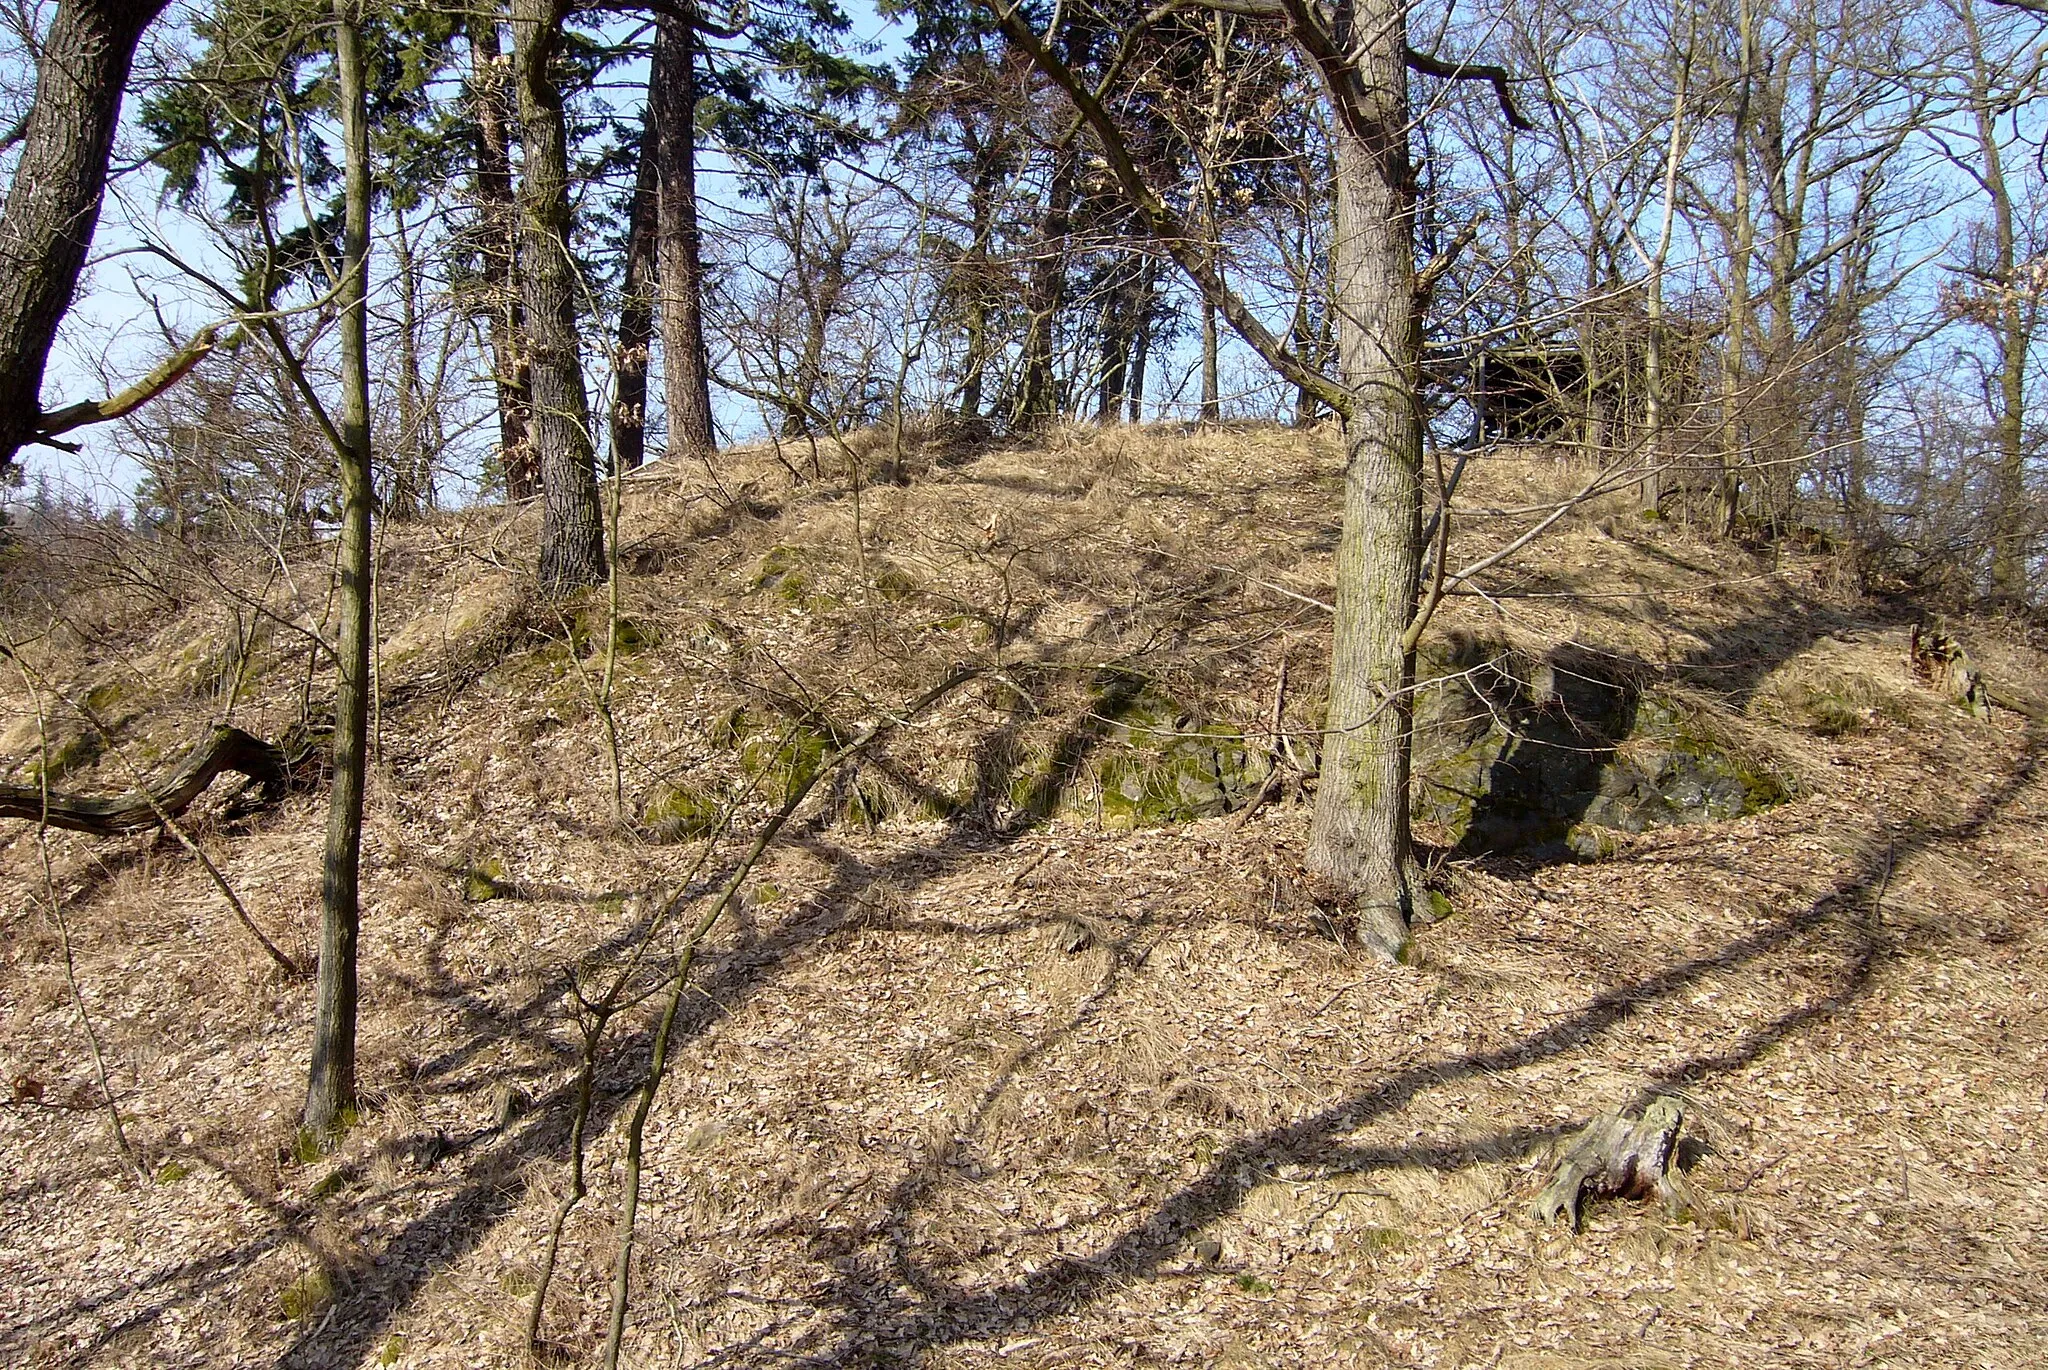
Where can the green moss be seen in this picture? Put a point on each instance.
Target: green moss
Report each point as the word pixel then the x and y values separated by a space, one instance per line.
pixel 102 697
pixel 870 803
pixel 677 813
pixel 778 562
pixel 767 893
pixel 484 881
pixel 1591 842
pixel 730 728
pixel 391 1350
pixel 1440 906
pixel 170 1172
pixel 1252 1284
pixel 784 762
pixel 69 753
pixel 629 635
pixel 307 1296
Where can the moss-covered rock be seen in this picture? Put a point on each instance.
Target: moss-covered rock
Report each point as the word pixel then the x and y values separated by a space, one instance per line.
pixel 679 812
pixel 1160 766
pixel 1515 750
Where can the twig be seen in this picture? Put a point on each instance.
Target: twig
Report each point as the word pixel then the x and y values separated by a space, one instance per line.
pixel 679 983
pixel 56 911
pixel 1273 751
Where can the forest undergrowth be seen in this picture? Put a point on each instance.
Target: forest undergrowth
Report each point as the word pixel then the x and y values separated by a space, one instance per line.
pixel 990 1060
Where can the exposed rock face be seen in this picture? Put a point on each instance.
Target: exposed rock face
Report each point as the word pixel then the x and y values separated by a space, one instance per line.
pixel 1160 766
pixel 1515 751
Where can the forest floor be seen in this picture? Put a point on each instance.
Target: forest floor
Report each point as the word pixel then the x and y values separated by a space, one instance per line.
pixel 964 1084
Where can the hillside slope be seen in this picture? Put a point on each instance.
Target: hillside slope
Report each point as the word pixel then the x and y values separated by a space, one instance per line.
pixel 1022 1046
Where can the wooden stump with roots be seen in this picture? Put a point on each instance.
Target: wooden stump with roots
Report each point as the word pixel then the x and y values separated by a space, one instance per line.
pixel 1940 660
pixel 1619 1156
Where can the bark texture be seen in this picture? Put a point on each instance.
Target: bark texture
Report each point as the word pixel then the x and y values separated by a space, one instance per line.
pixel 572 517
pixel 686 372
pixel 1358 840
pixel 53 204
pixel 636 317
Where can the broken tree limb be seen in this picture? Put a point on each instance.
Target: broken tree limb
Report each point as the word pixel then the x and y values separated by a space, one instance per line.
pixel 227 749
pixel 1621 1157
pixel 162 378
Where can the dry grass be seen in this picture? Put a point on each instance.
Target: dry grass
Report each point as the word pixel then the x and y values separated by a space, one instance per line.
pixel 915 1118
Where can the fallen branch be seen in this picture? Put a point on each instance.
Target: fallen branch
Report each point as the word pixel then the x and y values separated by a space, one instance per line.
pixel 227 749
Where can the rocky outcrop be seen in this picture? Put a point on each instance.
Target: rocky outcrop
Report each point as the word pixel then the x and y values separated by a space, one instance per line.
pixel 1516 749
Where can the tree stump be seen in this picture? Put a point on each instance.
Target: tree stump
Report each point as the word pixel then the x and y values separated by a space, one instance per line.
pixel 1940 660
pixel 1620 1156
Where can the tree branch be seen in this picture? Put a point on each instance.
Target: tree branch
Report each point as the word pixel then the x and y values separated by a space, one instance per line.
pixel 167 374
pixel 1498 77
pixel 1165 225
pixel 227 749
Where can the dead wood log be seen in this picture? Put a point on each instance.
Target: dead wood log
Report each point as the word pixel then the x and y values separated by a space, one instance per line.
pixel 1941 661
pixel 1621 1156
pixel 227 749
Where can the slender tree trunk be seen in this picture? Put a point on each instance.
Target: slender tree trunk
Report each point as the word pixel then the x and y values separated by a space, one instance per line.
pixel 636 314
pixel 1118 335
pixel 412 468
pixel 1038 392
pixel 1734 357
pixel 1141 343
pixel 686 368
pixel 2009 337
pixel 572 516
pixel 974 269
pixel 331 1090
pixel 498 226
pixel 1213 135
pixel 1212 370
pixel 1358 838
pixel 53 202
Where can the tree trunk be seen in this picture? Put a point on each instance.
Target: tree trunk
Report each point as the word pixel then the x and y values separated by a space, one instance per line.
pixel 53 202
pixel 1212 371
pixel 1118 334
pixel 1141 343
pixel 974 270
pixel 331 1089
pixel 498 226
pixel 412 467
pixel 2009 336
pixel 686 370
pixel 1358 839
pixel 636 315
pixel 572 519
pixel 1734 353
pixel 1038 391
